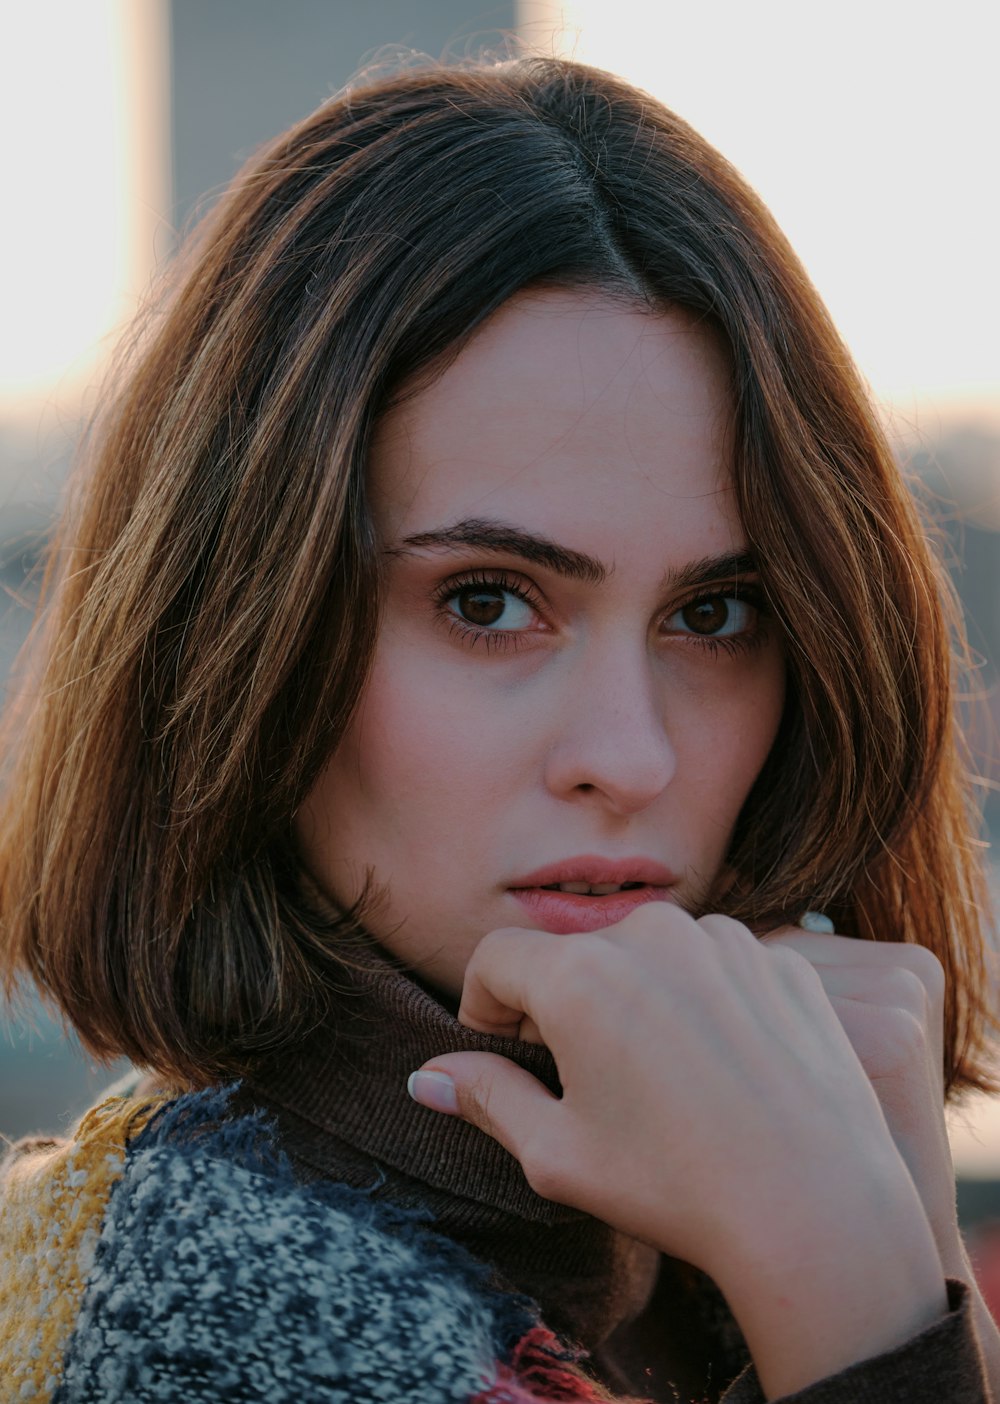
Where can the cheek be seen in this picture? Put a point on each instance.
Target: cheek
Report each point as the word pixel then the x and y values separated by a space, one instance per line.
pixel 758 725
pixel 729 742
pixel 417 737
pixel 416 753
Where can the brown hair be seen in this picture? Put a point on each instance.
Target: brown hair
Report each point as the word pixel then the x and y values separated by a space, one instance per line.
pixel 213 592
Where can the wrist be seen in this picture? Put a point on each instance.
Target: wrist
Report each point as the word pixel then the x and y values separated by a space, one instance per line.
pixel 850 1272
pixel 955 1260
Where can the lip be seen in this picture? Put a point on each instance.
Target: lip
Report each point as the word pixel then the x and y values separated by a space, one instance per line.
pixel 563 913
pixel 590 867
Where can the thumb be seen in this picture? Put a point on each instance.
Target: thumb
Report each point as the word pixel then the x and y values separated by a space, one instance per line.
pixel 487 1090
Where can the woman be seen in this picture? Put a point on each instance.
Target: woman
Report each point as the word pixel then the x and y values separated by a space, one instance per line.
pixel 490 619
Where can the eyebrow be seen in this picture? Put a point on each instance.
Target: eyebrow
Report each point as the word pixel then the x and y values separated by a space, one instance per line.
pixel 710 569
pixel 501 538
pixel 508 540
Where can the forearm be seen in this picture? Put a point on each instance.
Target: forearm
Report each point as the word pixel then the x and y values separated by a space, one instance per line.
pixel 836 1287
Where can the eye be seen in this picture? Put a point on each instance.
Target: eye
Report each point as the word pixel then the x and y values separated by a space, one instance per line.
pixel 715 616
pixel 490 606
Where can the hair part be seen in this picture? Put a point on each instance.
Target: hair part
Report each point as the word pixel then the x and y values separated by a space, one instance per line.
pixel 213 594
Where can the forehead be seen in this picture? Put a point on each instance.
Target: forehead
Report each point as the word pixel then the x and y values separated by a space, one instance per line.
pixel 566 410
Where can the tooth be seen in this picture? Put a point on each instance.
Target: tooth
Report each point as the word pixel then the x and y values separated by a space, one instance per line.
pixel 579 888
pixel 601 889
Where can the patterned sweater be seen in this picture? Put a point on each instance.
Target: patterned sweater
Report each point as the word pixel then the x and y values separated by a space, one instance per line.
pixel 167 1251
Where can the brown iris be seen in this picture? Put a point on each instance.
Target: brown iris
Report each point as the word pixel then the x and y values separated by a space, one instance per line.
pixel 481 606
pixel 707 616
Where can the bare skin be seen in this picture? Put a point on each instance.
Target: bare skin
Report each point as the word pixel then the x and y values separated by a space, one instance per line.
pixel 583 671
pixel 591 705
pixel 785 1186
pixel 889 998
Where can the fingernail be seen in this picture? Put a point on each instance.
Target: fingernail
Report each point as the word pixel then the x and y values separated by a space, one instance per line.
pixel 817 921
pixel 433 1089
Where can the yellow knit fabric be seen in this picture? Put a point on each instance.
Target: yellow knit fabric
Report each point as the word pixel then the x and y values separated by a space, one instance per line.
pixel 53 1195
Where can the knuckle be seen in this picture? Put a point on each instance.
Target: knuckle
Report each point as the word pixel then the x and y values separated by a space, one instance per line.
pixel 480 957
pixel 927 968
pixel 907 1034
pixel 655 917
pixel 488 946
pixel 727 929
pixel 907 990
pixel 794 965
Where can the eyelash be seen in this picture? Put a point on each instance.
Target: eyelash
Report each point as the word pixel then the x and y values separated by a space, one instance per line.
pixel 492 639
pixel 498 639
pixel 733 644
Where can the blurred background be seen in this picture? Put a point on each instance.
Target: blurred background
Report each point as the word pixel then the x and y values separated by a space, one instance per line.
pixel 870 129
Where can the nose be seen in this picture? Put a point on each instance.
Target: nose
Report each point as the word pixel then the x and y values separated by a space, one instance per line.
pixel 611 745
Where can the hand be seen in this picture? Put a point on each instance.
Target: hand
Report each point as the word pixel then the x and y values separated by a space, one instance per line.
pixel 712 1106
pixel 708 1086
pixel 889 998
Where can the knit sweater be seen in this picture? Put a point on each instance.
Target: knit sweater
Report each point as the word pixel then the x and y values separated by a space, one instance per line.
pixel 171 1249
pixel 651 1326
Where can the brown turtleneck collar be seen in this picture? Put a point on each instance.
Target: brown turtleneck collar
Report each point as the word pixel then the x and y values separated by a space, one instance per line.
pixel 348 1079
pixel 343 1112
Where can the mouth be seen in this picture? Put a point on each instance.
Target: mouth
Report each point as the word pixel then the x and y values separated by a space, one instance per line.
pixel 589 892
pixel 584 889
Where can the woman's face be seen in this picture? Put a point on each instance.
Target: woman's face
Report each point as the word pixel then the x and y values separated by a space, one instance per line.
pixel 575 681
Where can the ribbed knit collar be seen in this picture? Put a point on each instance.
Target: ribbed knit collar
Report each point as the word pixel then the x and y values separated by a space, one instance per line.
pixel 340 1100
pixel 348 1079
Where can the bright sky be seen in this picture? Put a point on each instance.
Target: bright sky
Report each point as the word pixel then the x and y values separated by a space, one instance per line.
pixel 85 174
pixel 871 128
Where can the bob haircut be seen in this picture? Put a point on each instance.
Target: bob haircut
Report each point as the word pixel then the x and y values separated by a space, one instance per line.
pixel 211 605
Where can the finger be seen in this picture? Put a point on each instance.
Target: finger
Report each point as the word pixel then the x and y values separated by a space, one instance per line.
pixel 529 1031
pixel 848 950
pixel 801 940
pixel 889 987
pixel 500 994
pixel 898 971
pixel 491 1092
pixel 891 975
pixel 727 929
pixel 836 949
pixel 891 1044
